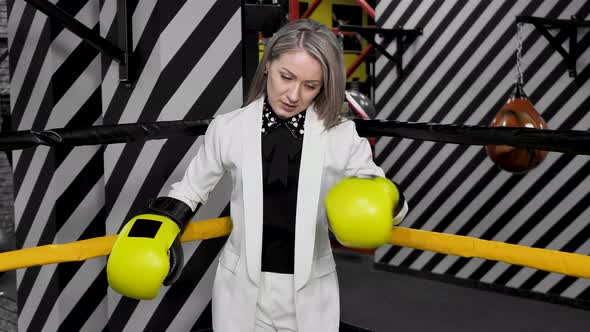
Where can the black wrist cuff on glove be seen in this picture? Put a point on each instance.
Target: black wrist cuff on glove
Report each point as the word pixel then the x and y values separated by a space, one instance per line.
pixel 174 209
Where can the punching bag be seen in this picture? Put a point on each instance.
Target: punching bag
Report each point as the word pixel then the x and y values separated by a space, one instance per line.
pixel 361 106
pixel 518 111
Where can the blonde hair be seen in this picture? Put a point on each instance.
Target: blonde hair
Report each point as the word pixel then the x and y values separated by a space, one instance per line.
pixel 319 42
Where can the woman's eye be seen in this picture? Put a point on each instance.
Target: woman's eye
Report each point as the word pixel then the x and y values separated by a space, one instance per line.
pixel 286 77
pixel 311 87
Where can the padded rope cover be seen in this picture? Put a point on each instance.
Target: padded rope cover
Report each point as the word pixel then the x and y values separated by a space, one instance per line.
pixel 565 141
pixel 105 134
pixel 572 264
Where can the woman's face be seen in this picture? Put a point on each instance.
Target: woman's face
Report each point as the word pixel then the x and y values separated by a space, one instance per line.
pixel 294 79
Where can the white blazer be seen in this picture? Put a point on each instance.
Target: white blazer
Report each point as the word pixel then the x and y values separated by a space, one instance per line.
pixel 232 144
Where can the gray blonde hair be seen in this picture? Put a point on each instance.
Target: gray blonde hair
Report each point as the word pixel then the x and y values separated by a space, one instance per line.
pixel 319 42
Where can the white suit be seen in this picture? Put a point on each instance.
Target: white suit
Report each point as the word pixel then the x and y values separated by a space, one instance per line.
pixel 233 144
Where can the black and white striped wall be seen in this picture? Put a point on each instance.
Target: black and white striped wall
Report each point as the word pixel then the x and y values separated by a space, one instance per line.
pixel 460 71
pixel 188 57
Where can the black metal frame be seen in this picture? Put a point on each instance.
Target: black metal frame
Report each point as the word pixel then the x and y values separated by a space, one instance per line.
pixel 121 53
pixel 256 17
pixel 571 26
pixel 402 36
pixel 4 44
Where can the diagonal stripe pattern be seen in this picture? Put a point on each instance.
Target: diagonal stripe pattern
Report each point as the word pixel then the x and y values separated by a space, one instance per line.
pixel 188 64
pixel 460 71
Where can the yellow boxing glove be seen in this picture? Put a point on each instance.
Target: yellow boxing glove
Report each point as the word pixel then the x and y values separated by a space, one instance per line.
pixel 147 252
pixel 362 211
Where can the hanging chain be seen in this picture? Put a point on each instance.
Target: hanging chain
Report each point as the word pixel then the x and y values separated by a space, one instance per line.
pixel 519 77
pixel 340 37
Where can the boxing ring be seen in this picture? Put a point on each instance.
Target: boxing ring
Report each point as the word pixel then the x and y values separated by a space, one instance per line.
pixel 458 71
pixel 572 142
pixel 565 141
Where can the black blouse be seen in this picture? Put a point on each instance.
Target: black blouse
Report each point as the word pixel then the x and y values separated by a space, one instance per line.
pixel 281 157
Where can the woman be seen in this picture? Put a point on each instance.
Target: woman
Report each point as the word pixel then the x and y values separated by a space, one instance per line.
pixel 276 204
pixel 283 150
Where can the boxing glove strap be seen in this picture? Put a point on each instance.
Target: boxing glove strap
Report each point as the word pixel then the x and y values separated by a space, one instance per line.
pixel 174 209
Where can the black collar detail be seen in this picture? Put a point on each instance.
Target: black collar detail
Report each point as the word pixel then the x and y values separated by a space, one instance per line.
pixel 270 121
pixel 280 147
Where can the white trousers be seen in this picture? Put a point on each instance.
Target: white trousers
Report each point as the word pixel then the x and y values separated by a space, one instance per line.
pixel 275 308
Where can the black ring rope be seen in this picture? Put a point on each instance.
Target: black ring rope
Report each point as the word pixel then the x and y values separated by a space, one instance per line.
pixel 565 141
pixel 104 134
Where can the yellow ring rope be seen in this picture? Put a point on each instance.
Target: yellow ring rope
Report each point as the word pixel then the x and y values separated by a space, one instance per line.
pixel 575 265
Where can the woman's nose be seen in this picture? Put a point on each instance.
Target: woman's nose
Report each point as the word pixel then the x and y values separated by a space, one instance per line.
pixel 293 93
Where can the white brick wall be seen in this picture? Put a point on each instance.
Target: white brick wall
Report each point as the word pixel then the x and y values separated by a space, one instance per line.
pixel 8 314
pixel 4 80
pixel 6 186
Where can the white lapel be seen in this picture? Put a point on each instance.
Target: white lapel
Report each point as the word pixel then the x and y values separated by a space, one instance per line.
pixel 308 193
pixel 252 187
